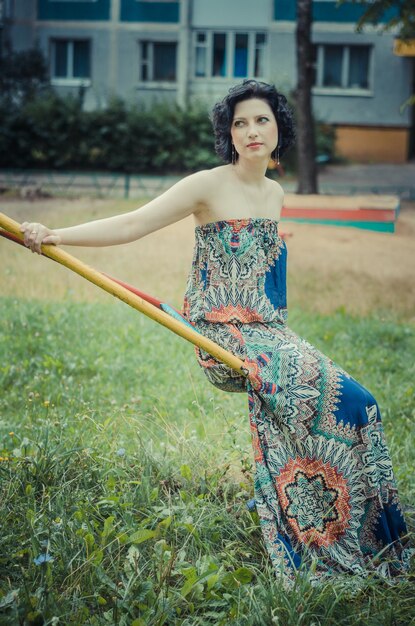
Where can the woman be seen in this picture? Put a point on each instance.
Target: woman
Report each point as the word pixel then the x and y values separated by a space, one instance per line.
pixel 324 485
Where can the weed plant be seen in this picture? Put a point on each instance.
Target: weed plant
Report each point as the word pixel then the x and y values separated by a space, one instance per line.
pixel 124 476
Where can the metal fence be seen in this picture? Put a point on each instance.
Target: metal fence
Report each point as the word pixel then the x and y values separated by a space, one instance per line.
pixel 103 185
pixel 110 185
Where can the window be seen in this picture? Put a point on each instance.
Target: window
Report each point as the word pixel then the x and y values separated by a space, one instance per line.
pixel 332 68
pixel 229 54
pixel 219 54
pixel 259 61
pixel 201 54
pixel 359 61
pixel 70 59
pixel 342 67
pixel 158 61
pixel 240 59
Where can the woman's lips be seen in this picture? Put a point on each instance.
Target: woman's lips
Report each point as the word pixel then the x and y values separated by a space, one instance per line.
pixel 254 145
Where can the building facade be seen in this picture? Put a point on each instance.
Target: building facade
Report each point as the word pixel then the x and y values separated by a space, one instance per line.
pixel 193 50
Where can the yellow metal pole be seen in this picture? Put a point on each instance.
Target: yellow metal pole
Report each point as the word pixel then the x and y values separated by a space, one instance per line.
pixel 72 263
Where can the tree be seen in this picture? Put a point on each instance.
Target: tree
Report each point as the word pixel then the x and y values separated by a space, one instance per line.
pixel 23 75
pixel 402 15
pixel 306 142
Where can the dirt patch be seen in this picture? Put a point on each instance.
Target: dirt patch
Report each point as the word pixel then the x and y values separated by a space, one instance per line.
pixel 358 270
pixel 329 267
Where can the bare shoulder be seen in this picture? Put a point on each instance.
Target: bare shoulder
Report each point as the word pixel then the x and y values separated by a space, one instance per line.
pixel 200 182
pixel 215 174
pixel 276 196
pixel 203 177
pixel 203 186
pixel 275 189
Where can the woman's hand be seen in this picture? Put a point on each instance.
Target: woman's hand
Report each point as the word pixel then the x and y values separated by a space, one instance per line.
pixel 36 234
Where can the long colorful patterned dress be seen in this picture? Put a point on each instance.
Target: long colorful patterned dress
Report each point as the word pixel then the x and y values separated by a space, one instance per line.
pixel 324 485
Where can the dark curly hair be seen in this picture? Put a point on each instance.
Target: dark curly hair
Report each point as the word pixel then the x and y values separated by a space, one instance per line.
pixel 223 112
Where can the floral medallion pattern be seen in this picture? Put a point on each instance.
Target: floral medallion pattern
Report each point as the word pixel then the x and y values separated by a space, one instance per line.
pixel 324 484
pixel 315 499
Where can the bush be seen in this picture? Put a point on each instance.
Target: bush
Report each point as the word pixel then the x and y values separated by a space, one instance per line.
pixel 23 76
pixel 55 133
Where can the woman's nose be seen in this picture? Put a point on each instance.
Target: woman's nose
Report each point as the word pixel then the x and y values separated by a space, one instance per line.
pixel 252 131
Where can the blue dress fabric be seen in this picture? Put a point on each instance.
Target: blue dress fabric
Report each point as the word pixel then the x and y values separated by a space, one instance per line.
pixel 325 491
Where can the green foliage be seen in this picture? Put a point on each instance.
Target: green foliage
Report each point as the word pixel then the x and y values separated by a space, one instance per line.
pixel 23 76
pixel 325 146
pixel 48 131
pixel 325 140
pixel 55 132
pixel 52 132
pixel 398 14
pixel 123 487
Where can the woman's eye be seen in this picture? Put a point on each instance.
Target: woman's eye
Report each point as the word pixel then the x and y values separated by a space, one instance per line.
pixel 238 123
pixel 263 119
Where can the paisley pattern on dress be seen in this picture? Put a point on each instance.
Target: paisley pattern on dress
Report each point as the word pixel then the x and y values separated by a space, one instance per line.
pixel 324 484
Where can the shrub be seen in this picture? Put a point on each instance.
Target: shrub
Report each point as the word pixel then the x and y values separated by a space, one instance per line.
pixel 23 75
pixel 53 132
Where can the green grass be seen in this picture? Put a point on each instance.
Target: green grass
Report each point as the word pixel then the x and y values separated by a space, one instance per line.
pixel 128 474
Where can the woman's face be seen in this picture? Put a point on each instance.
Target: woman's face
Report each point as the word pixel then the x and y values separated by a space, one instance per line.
pixel 254 129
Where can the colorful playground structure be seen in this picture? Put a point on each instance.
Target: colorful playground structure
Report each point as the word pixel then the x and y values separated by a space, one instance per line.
pixel 370 212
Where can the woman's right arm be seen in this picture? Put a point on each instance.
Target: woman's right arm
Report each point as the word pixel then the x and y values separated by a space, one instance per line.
pixel 184 198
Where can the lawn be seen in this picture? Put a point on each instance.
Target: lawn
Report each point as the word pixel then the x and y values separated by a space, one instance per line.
pixel 124 475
